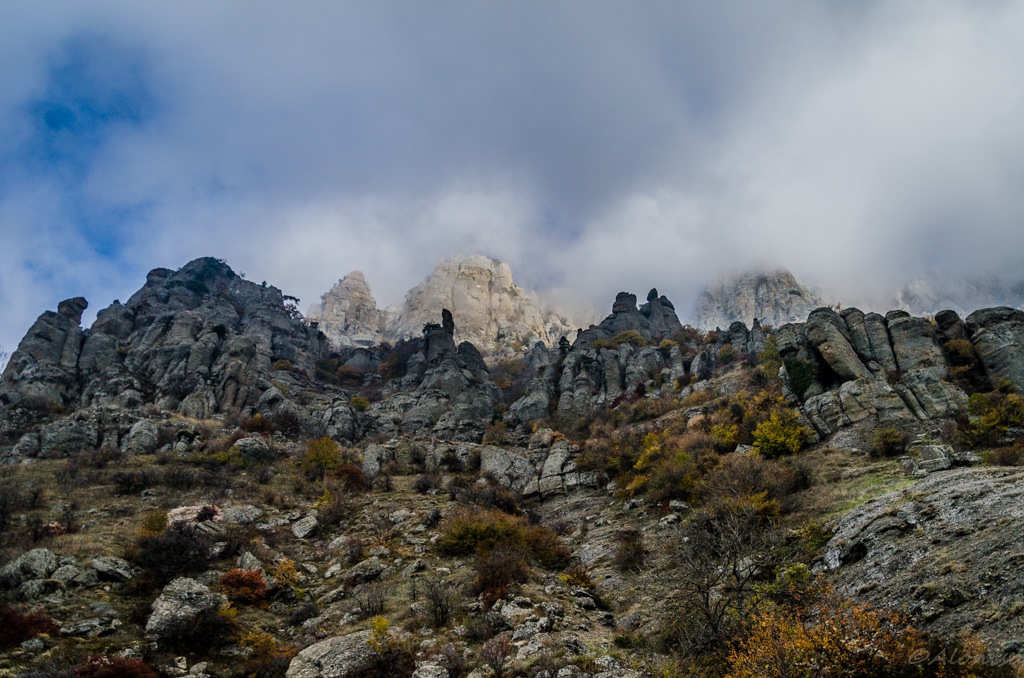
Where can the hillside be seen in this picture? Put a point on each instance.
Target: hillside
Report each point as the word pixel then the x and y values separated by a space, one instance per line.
pixel 199 484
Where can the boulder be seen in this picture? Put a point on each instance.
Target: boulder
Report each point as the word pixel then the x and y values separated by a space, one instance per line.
pixel 349 656
pixel 508 468
pixel 143 438
pixel 183 606
pixel 34 564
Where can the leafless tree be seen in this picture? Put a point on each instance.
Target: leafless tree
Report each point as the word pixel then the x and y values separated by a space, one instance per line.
pixel 729 547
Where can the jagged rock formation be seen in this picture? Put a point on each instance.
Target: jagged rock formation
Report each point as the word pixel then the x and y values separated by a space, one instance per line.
pixel 495 315
pixel 772 298
pixel 597 372
pixel 851 367
pixel 348 313
pixel 197 341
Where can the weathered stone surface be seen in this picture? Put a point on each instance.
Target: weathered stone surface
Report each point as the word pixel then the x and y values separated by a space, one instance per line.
pixel 143 438
pixel 34 564
pixel 183 605
pixel 200 339
pixel 507 467
pixel 492 312
pixel 112 569
pixel 933 549
pixel 827 332
pixel 856 401
pixel 348 313
pixel 916 348
pixel 998 336
pixel 305 527
pixel 348 656
pixel 67 437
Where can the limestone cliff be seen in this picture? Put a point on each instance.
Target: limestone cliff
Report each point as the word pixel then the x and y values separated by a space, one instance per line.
pixel 772 298
pixel 348 313
pixel 495 314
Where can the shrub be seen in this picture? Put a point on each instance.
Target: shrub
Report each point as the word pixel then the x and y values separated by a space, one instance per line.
pixel 244 586
pixel 630 552
pixel 631 337
pixel 426 482
pixel 577 576
pixel 497 569
pixel 359 403
pixel 371 599
pixel 441 597
pixel 831 636
pixel 489 494
pixel 321 455
pixel 177 551
pixel 468 530
pixel 350 477
pixel 485 530
pixel 1005 456
pixel 889 442
pixel 991 415
pixel 17 626
pixel 282 365
pixel 800 373
pixel 98 666
pixel 780 435
pixel 132 482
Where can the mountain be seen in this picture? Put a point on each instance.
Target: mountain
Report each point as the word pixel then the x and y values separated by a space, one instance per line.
pixel 770 297
pixel 495 314
pixel 413 511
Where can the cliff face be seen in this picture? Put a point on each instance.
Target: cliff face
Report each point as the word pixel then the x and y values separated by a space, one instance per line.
pixel 772 298
pixel 348 313
pixel 494 313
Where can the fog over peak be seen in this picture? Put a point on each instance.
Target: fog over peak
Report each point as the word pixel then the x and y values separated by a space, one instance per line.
pixel 594 146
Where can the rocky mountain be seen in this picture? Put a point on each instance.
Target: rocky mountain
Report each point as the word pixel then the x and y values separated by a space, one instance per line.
pixel 770 297
pixel 495 314
pixel 199 483
pixel 348 313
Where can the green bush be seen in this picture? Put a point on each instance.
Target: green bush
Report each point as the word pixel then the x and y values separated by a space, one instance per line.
pixel 780 435
pixel 889 442
pixel 359 403
pixel 322 455
pixel 801 375
pixel 483 530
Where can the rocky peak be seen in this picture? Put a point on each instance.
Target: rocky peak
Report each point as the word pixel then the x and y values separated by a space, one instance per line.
pixel 495 314
pixel 72 309
pixel 348 313
pixel 197 340
pixel 773 298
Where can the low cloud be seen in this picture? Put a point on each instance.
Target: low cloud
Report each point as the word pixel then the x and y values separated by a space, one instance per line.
pixel 594 147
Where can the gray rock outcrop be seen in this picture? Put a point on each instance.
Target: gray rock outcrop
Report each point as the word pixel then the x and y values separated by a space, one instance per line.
pixel 346 656
pixel 182 607
pixel 199 340
pixel 944 549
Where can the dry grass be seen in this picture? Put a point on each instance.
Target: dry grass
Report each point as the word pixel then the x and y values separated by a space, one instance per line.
pixel 844 481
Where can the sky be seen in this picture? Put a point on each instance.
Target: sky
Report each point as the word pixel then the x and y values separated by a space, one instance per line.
pixel 595 146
